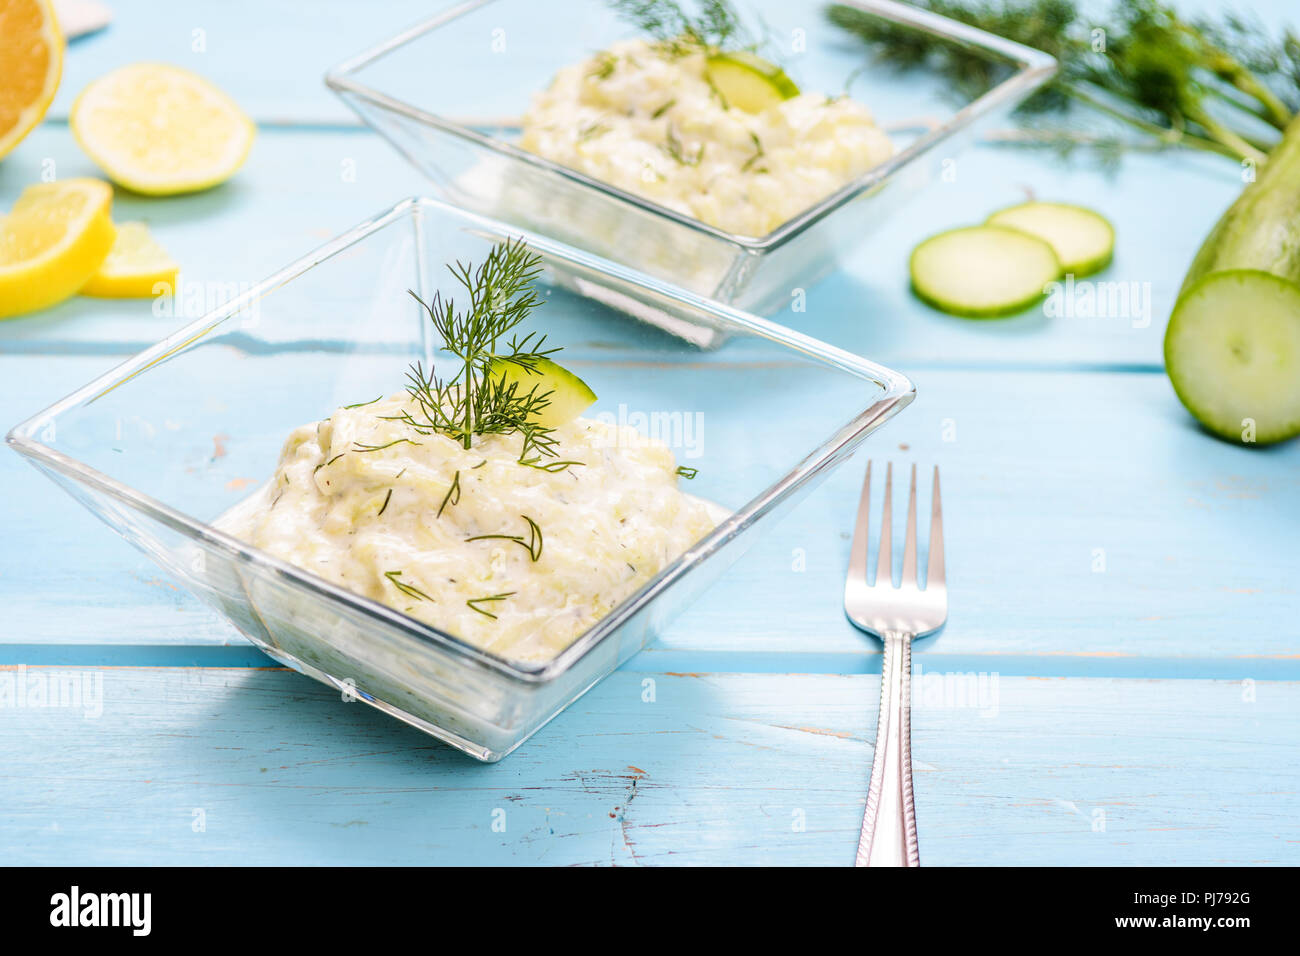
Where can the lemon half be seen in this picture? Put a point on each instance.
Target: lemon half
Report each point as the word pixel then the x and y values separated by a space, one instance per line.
pixel 52 241
pixel 159 130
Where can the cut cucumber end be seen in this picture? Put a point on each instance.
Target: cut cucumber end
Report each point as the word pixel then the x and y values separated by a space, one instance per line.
pixel 1232 351
pixel 1083 240
pixel 749 82
pixel 569 395
pixel 982 272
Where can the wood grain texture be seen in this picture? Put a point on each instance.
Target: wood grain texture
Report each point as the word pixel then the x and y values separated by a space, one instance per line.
pixel 716 768
pixel 1128 579
pixel 1087 519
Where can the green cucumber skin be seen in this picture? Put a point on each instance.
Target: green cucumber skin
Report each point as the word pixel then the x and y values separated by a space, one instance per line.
pixel 1261 230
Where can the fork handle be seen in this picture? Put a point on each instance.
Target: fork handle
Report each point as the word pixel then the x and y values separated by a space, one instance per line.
pixel 889 824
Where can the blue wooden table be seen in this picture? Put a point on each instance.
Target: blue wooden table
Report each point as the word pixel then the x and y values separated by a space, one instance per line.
pixel 1119 682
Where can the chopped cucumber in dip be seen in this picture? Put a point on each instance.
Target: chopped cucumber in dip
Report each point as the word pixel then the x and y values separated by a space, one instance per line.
pixel 569 397
pixel 1081 239
pixel 983 271
pixel 749 82
pixel 1232 351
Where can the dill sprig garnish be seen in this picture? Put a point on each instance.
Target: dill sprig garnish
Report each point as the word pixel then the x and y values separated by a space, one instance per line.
pixel 674 148
pixel 687 472
pixel 551 467
pixel 453 490
pixel 480 399
pixel 759 153
pixel 533 545
pixel 384 507
pixel 407 589
pixel 678 32
pixel 358 446
pixel 605 64
pixel 364 404
pixel 473 603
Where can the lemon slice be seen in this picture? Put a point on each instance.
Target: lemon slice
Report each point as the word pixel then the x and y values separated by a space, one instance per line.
pixel 136 267
pixel 51 242
pixel 159 130
pixel 749 82
pixel 31 52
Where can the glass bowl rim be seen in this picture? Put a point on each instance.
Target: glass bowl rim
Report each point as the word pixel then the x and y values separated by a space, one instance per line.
pixel 1033 68
pixel 897 392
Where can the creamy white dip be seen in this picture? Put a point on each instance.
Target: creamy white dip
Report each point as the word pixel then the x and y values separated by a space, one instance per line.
pixel 374 507
pixel 652 124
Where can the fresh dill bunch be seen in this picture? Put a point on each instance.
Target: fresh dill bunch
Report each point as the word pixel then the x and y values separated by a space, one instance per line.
pixel 479 399
pixel 676 31
pixel 1045 25
pixel 1200 83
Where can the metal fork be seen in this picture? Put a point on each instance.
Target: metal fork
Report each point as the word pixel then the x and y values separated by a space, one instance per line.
pixel 895 615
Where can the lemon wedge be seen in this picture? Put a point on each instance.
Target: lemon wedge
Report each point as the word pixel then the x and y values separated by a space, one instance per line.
pixel 51 242
pixel 160 130
pixel 749 82
pixel 31 51
pixel 136 267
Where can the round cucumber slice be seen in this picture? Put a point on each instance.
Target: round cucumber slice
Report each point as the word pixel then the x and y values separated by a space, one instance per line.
pixel 1081 239
pixel 1232 351
pixel 983 271
pixel 569 397
pixel 749 82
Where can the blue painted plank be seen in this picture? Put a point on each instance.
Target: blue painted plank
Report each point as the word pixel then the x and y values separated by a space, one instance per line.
pixel 1047 476
pixel 212 766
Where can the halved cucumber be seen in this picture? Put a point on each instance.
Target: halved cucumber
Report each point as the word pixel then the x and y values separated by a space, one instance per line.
pixel 749 82
pixel 983 271
pixel 569 397
pixel 1081 239
pixel 1232 351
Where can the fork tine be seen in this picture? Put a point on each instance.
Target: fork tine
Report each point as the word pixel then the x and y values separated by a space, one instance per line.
pixel 885 562
pixel 909 544
pixel 934 571
pixel 858 556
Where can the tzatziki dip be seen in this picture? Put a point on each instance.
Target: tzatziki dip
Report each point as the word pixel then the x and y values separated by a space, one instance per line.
pixel 515 560
pixel 725 138
pixel 480 502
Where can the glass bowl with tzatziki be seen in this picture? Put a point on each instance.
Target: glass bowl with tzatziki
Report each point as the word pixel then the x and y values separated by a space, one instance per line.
pixel 733 147
pixel 421 466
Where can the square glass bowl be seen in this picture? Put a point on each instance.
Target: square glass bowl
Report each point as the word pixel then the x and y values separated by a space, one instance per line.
pixel 450 93
pixel 165 443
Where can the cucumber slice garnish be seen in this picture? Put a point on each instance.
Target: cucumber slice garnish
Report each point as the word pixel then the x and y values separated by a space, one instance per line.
pixel 749 82
pixel 983 271
pixel 1232 351
pixel 569 397
pixel 1081 239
